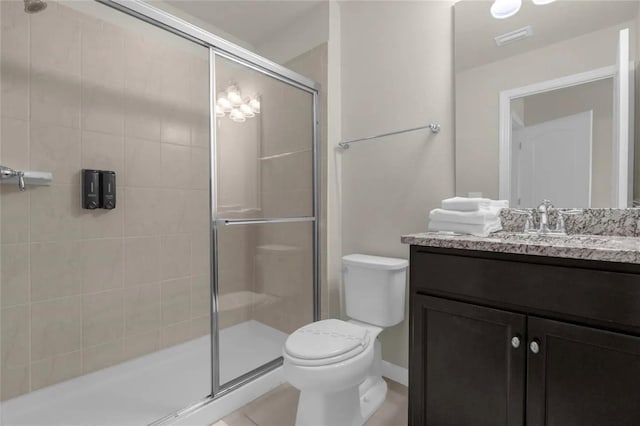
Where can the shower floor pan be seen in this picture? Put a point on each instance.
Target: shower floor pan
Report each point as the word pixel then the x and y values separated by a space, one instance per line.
pixel 145 389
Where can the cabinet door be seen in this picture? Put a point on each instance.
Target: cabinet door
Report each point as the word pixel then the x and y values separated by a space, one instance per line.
pixel 581 376
pixel 465 371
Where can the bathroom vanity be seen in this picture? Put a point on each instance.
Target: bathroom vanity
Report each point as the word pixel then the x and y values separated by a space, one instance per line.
pixel 524 330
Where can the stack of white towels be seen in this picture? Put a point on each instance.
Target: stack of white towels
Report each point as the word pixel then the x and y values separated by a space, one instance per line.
pixel 461 215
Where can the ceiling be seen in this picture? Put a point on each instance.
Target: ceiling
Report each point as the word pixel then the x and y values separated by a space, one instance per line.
pixel 475 28
pixel 252 21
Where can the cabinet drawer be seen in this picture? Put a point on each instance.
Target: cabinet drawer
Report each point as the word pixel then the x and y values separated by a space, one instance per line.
pixel 608 298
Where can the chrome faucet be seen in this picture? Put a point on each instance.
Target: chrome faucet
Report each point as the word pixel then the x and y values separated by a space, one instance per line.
pixel 544 228
pixel 543 209
pixel 8 173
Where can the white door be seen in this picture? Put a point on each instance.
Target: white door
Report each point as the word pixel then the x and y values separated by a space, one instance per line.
pixel 553 161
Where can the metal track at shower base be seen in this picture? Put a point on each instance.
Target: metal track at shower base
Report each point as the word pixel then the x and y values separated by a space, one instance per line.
pixel 228 388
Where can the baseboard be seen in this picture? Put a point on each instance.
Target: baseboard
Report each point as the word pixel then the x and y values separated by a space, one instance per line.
pixel 395 373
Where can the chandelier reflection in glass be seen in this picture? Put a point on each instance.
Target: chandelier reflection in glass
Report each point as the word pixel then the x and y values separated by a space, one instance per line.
pixel 237 107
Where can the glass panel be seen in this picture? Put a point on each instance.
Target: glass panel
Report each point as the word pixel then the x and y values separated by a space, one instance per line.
pixel 265 161
pixel 104 312
pixel 265 284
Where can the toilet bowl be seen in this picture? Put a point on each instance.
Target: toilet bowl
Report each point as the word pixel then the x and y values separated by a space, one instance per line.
pixel 331 378
pixel 336 364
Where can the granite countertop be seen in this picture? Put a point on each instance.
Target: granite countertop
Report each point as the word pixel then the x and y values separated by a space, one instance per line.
pixel 587 247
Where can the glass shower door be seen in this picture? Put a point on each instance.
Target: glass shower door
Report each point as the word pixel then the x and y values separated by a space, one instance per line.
pixel 264 215
pixel 105 312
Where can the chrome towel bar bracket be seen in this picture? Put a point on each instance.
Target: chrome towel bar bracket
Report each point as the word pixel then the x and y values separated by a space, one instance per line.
pixel 434 127
pixel 22 179
pixel 9 173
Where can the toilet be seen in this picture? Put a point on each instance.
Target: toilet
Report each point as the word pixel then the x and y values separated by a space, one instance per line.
pixel 337 365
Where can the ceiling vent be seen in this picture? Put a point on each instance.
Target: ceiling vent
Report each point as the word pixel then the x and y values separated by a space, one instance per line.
pixel 513 36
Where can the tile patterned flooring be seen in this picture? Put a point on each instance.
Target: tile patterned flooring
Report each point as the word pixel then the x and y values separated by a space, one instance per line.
pixel 278 408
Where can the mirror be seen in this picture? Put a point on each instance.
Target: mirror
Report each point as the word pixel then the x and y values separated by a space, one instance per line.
pixel 544 101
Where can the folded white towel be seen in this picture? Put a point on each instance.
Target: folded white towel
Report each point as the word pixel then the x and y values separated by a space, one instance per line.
pixel 479 230
pixel 477 217
pixel 464 204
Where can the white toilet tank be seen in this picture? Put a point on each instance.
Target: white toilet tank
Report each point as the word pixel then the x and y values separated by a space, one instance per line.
pixel 374 288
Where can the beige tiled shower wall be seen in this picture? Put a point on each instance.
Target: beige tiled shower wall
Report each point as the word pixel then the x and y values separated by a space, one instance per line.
pixel 237 149
pixel 284 258
pixel 82 290
pixel 313 64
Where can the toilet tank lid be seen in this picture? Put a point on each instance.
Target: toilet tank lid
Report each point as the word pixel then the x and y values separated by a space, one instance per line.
pixel 375 262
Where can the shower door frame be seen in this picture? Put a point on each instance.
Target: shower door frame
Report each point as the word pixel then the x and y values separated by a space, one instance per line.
pixel 220 47
pixel 222 388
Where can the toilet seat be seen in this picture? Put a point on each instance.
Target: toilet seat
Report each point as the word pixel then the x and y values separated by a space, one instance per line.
pixel 326 342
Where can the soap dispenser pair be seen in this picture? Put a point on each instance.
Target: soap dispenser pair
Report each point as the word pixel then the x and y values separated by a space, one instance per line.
pixel 98 189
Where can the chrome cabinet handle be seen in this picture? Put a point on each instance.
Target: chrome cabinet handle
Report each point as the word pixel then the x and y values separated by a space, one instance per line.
pixel 515 342
pixel 534 346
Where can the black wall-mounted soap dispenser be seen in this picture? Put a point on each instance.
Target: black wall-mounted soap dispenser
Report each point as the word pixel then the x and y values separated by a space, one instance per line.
pixel 108 189
pixel 91 189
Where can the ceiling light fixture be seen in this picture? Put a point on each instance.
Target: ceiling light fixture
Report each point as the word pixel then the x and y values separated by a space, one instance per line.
pixel 502 9
pixel 233 94
pixel 224 103
pixel 237 116
pixel 254 103
pixel 542 2
pixel 231 102
pixel 247 110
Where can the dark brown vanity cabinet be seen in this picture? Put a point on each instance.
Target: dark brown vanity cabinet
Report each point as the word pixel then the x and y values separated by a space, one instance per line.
pixel 582 376
pixel 480 354
pixel 470 374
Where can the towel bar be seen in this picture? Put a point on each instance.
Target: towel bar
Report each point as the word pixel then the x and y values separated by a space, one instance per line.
pixel 22 179
pixel 434 127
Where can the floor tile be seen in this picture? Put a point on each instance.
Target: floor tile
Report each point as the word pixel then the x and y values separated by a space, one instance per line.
pixel 394 411
pixel 278 408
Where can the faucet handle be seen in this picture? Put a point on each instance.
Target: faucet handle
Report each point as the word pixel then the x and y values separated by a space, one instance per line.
pixel 546 204
pixel 560 225
pixel 528 226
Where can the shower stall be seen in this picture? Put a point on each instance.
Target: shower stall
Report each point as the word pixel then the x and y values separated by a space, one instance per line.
pixel 187 289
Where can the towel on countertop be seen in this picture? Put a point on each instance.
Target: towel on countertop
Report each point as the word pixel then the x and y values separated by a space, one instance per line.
pixel 477 217
pixel 479 230
pixel 464 204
